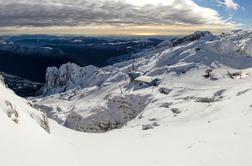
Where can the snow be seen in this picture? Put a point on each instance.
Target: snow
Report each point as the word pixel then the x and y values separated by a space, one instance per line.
pixel 80 97
pixel 202 135
pixel 47 48
pixel 77 41
pixel 18 110
pixel 144 79
pixel 3 42
pixel 197 121
pixel 70 75
pixel 246 46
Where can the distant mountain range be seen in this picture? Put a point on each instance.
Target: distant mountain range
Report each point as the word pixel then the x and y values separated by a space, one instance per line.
pixel 22 87
pixel 29 56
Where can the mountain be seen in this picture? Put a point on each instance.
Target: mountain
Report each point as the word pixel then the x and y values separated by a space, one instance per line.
pixel 28 56
pixel 95 99
pixel 29 63
pixel 164 45
pixel 187 104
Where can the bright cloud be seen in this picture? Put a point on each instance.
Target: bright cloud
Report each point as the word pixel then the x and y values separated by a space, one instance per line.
pixel 230 4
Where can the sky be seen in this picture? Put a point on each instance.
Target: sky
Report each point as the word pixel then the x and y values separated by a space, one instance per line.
pixel 123 17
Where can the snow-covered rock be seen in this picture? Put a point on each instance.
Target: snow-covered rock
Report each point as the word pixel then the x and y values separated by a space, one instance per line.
pixel 2 42
pixel 203 35
pixel 112 113
pixel 166 43
pixel 246 46
pixel 115 114
pixel 70 75
pixel 2 80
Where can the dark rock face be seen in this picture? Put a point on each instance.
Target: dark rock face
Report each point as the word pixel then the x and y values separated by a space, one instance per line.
pixel 147 127
pixel 165 91
pixel 12 112
pixel 192 37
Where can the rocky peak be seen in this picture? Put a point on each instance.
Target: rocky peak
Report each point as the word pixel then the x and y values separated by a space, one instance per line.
pixel 194 36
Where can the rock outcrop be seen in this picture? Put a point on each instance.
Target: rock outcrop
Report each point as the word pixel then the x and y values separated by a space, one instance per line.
pixel 70 75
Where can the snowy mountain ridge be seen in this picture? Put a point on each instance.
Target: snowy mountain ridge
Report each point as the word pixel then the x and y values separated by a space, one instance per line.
pixel 92 99
pixel 198 48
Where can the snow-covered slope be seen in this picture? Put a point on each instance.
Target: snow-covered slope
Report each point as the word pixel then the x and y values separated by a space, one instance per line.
pixel 24 135
pixel 19 110
pixel 200 113
pixel 189 129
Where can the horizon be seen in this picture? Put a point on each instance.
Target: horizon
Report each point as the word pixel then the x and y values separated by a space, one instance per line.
pixel 109 32
pixel 114 35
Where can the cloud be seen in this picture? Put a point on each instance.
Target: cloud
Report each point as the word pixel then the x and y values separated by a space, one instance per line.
pixel 46 13
pixel 230 4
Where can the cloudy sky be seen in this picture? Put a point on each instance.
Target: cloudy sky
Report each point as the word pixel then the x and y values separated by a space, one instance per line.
pixel 122 17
